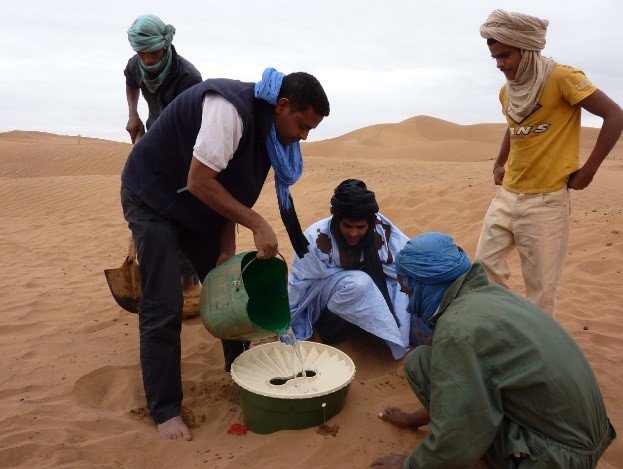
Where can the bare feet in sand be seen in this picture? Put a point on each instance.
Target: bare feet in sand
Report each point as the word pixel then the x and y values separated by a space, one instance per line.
pixel 174 429
pixel 401 419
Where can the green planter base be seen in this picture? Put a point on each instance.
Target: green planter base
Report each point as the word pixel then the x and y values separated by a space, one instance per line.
pixel 270 414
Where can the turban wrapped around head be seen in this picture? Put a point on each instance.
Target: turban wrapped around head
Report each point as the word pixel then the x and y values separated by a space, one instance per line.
pixel 352 199
pixel 432 258
pixel 148 33
pixel 526 33
pixel 515 29
pixel 428 264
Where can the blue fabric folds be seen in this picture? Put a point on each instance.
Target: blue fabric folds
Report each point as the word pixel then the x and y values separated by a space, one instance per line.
pixel 287 161
pixel 428 264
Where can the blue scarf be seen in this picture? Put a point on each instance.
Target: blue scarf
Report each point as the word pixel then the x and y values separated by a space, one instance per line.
pixel 428 264
pixel 287 162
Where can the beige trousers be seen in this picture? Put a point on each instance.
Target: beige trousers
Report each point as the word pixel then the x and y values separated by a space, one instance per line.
pixel 538 225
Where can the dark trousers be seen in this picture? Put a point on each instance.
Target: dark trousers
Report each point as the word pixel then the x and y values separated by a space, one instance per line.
pixel 330 327
pixel 186 268
pixel 160 313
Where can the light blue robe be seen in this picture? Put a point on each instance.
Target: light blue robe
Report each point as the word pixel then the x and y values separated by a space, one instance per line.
pixel 318 280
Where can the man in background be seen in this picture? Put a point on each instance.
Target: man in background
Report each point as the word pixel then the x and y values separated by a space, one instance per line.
pixel 538 161
pixel 160 74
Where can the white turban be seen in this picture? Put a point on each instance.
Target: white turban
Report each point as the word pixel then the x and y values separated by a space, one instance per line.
pixel 515 29
pixel 526 33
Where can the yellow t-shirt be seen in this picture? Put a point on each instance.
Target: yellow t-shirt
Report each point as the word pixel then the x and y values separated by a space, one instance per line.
pixel 545 145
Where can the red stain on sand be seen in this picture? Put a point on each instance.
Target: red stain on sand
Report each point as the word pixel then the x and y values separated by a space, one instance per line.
pixel 237 429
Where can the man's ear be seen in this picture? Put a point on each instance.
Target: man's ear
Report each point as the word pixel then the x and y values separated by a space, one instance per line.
pixel 282 105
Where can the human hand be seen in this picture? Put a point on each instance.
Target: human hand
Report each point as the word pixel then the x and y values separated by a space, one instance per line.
pixel 223 256
pixel 393 461
pixel 580 179
pixel 135 127
pixel 265 242
pixel 498 175
pixel 131 247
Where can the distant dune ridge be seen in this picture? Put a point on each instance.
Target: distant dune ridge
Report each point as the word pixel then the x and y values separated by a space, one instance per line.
pixel 70 384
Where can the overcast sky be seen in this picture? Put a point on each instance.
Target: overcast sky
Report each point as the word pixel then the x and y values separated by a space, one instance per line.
pixel 380 61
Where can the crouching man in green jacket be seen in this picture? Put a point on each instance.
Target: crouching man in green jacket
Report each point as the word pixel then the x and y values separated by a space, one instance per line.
pixel 502 383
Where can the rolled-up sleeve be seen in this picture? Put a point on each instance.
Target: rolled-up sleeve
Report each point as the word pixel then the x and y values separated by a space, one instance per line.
pixel 220 132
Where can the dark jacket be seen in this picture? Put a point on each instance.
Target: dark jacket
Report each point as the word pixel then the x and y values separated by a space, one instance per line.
pixel 182 76
pixel 157 168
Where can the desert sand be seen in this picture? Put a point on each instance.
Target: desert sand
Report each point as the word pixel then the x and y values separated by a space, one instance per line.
pixel 70 384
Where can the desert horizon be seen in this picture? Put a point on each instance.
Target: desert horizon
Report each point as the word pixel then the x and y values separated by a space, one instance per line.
pixel 70 389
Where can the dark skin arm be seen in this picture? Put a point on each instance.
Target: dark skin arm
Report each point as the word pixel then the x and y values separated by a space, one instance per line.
pixel 393 461
pixel 498 166
pixel 203 184
pixel 228 242
pixel 401 419
pixel 135 125
pixel 599 104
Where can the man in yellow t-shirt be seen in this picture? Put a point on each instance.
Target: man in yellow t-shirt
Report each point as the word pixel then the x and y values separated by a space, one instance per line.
pixel 538 161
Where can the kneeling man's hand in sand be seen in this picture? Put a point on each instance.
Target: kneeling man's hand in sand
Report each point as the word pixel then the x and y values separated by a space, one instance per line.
pixel 394 461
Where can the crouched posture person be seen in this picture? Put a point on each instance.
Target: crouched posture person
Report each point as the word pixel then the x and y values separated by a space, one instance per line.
pixel 348 275
pixel 503 382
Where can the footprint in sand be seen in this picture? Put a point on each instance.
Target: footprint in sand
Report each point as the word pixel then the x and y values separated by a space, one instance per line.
pixel 111 388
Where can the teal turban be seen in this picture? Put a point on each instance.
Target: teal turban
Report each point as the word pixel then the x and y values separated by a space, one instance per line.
pixel 148 33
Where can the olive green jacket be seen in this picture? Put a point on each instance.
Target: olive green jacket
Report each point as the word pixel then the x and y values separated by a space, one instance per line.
pixel 505 377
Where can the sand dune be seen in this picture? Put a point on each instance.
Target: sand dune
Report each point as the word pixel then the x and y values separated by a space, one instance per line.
pixel 70 385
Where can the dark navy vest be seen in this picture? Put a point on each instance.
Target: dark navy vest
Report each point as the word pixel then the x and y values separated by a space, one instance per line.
pixel 158 165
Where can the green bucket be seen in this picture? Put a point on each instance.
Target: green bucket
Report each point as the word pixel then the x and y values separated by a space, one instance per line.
pixel 246 298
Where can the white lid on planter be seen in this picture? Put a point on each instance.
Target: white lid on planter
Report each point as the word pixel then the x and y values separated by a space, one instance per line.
pixel 274 370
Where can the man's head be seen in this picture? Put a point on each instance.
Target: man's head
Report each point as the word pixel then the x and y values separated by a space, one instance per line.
pixel 509 34
pixel 301 105
pixel 426 266
pixel 353 207
pixel 150 38
pixel 507 58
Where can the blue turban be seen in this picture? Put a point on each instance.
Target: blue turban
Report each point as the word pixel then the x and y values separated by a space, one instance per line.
pixel 428 264
pixel 148 33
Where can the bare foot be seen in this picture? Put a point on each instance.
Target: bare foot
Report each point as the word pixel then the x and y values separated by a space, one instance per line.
pixel 174 428
pixel 402 419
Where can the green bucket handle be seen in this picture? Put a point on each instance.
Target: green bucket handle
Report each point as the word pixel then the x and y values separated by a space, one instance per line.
pixel 238 281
